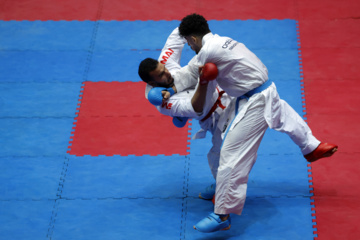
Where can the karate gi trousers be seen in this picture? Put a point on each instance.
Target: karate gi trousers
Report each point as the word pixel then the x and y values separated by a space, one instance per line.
pixel 242 140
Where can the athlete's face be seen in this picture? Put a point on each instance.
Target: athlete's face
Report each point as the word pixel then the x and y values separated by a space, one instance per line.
pixel 195 43
pixel 161 77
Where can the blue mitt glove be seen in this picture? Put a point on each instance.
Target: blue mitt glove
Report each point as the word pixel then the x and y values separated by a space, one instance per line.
pixel 155 96
pixel 180 121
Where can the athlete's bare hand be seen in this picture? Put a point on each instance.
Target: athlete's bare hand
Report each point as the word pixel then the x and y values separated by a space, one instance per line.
pixel 166 95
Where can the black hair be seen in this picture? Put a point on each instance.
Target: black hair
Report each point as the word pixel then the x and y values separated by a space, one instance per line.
pixel 194 24
pixel 146 66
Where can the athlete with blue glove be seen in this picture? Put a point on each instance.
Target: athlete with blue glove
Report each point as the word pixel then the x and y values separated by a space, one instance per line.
pixel 202 99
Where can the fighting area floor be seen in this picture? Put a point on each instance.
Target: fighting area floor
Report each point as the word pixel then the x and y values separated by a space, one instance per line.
pixel 84 156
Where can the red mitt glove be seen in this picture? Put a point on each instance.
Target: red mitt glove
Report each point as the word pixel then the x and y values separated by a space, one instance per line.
pixel 208 73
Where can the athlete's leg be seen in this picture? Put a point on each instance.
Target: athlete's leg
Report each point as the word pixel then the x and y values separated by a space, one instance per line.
pixel 296 128
pixel 237 157
pixel 214 153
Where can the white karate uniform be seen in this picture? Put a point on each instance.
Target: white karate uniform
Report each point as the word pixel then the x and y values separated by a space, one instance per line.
pixel 180 103
pixel 239 72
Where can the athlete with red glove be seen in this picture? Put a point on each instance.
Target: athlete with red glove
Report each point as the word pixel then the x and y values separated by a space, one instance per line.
pixel 241 73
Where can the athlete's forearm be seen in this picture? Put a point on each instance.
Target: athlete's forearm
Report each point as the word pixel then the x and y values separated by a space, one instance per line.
pixel 199 98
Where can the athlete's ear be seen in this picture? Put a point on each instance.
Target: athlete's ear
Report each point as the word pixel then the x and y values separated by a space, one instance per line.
pixel 195 39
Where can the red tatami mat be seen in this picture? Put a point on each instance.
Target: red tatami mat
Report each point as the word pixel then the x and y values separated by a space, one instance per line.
pixel 127 136
pixel 341 129
pixel 114 119
pixel 343 174
pixel 331 64
pixel 327 9
pixel 48 10
pixel 329 32
pixel 330 49
pixel 338 33
pixel 211 9
pixel 336 190
pixel 115 99
pixel 339 96
pixel 336 226
pixel 145 10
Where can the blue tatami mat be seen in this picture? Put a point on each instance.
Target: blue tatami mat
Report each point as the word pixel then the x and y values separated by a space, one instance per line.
pixel 25 219
pixel 125 177
pixel 117 48
pixel 34 136
pixel 52 99
pixel 260 34
pixel 45 35
pixel 279 175
pixel 139 35
pixel 113 219
pixel 42 66
pixel 30 178
pixel 44 51
pixel 119 65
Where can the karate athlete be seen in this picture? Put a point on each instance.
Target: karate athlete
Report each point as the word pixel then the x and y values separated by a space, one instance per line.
pixel 203 100
pixel 241 73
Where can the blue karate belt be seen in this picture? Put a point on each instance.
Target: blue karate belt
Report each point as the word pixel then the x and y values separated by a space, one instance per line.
pixel 260 88
pixel 247 95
